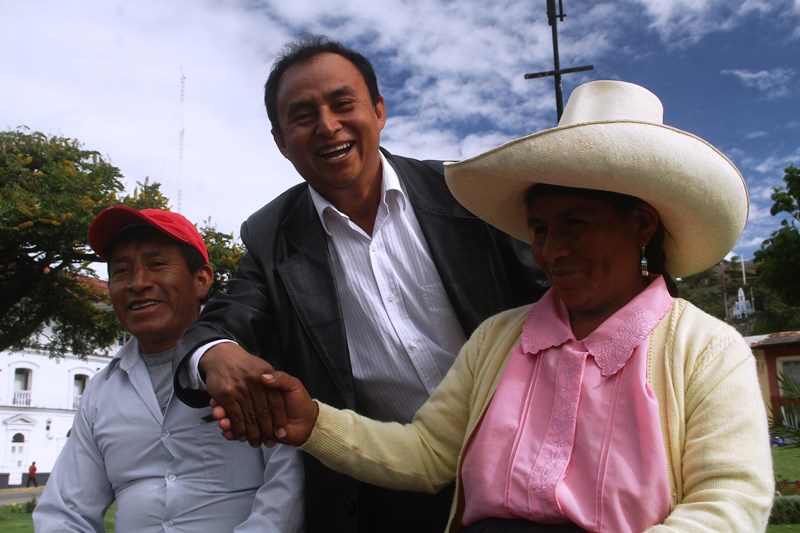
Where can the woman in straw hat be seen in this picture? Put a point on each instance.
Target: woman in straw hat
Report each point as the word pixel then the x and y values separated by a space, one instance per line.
pixel 610 404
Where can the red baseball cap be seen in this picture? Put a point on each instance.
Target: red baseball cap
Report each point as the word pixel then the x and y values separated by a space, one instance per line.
pixel 112 220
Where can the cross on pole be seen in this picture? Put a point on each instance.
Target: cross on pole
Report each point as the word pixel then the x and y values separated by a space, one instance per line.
pixel 552 19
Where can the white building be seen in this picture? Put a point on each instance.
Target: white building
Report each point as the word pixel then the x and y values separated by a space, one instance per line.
pixel 38 399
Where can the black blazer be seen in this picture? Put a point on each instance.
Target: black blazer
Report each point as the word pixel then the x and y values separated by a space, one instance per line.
pixel 284 307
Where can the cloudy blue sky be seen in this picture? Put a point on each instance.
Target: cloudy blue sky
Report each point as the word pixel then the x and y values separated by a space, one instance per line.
pixel 108 73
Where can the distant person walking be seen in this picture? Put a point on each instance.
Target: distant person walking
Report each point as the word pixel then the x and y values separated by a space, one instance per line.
pixel 32 475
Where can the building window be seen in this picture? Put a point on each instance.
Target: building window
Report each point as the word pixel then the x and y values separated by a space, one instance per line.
pixel 78 386
pixel 22 386
pixel 792 369
pixel 123 338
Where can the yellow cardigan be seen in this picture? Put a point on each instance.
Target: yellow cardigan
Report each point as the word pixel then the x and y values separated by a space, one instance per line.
pixel 713 423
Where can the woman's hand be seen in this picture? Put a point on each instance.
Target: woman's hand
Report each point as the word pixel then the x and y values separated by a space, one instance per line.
pixel 293 411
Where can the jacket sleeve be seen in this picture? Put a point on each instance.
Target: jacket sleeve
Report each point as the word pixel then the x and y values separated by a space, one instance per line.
pixel 719 442
pixel 526 279
pixel 278 506
pixel 78 492
pixel 241 314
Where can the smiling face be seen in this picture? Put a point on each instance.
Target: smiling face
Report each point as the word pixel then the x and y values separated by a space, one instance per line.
pixel 330 129
pixel 154 295
pixel 590 252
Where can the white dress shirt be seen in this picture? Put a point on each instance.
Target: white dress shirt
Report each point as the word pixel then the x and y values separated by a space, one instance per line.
pixel 402 332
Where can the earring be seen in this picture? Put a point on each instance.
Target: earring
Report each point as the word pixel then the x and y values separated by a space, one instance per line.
pixel 643 264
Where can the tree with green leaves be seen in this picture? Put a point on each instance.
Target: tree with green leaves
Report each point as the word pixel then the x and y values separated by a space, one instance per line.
pixel 146 196
pixel 779 257
pixel 50 190
pixel 224 253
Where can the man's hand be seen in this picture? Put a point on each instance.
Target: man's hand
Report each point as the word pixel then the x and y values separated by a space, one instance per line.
pixel 233 379
pixel 292 419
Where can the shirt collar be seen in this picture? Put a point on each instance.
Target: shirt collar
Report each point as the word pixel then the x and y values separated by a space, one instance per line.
pixel 613 342
pixel 391 187
pixel 126 358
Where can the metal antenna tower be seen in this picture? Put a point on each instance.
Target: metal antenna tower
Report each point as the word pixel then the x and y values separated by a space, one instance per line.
pixel 180 143
pixel 552 19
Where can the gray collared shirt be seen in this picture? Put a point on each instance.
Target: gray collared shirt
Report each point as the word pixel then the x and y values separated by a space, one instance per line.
pixel 170 472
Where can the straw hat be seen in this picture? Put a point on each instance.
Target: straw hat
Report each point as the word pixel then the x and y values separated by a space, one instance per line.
pixel 611 137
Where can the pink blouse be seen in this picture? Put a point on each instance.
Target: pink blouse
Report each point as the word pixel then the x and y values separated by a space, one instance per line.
pixel 572 433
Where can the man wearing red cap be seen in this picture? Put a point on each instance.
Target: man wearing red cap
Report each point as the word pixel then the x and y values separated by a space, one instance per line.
pixel 131 440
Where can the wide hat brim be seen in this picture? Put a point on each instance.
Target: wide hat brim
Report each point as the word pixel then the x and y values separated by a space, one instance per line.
pixel 699 194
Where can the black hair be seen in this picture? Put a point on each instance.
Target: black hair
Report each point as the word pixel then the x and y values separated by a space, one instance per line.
pixel 304 49
pixel 624 203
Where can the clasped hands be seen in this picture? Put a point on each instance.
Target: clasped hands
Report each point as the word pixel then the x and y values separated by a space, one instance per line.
pixel 255 403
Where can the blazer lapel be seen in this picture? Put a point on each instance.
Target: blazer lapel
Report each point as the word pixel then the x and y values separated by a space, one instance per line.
pixel 464 265
pixel 460 246
pixel 308 277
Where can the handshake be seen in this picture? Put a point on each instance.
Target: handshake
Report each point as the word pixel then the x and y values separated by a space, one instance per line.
pixel 255 403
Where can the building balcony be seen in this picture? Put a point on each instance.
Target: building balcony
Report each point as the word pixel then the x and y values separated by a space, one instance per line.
pixel 22 397
pixel 39 400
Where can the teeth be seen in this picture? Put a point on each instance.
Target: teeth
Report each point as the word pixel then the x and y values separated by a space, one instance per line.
pixel 343 146
pixel 142 305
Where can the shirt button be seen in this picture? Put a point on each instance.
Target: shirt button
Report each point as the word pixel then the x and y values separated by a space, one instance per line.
pixel 169 523
pixel 165 434
pixel 172 477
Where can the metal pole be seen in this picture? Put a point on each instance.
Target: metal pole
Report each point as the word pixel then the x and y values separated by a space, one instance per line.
pixel 552 18
pixel 744 276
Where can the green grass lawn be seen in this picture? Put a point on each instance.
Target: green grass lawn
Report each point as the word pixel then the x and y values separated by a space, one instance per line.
pixel 16 522
pixel 21 522
pixel 786 462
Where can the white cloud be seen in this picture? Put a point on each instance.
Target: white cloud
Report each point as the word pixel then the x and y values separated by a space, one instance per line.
pixel 774 164
pixel 773 83
pixel 681 23
pixel 108 73
pixel 753 242
pixel 756 135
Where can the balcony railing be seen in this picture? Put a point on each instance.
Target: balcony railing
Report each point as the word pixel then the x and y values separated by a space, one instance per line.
pixel 40 400
pixel 22 397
